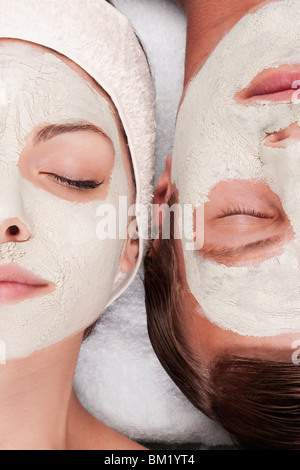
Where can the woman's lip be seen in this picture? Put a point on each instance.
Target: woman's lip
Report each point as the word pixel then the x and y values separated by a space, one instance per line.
pixel 14 273
pixel 17 284
pixel 278 84
pixel 14 292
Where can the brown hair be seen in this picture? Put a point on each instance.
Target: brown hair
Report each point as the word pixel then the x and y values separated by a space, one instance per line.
pixel 256 401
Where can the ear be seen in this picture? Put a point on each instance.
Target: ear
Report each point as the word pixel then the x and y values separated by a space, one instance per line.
pixel 163 189
pixel 162 194
pixel 130 255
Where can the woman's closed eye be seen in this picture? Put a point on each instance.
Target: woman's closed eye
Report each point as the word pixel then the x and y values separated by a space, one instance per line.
pixel 76 166
pixel 75 184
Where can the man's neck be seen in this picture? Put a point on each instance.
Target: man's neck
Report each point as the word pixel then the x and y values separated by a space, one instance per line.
pixel 208 21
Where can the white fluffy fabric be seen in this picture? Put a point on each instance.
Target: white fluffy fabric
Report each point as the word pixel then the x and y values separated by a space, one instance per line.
pixel 118 377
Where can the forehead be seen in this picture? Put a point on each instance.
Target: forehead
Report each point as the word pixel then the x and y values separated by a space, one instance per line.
pixel 28 47
pixel 47 84
pixel 31 47
pixel 208 341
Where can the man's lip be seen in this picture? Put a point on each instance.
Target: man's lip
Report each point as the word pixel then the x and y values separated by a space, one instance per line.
pixel 278 84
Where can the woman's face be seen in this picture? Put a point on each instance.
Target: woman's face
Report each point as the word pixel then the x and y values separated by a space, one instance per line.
pixel 63 165
pixel 237 152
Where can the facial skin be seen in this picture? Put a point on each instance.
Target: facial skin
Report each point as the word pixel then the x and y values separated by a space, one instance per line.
pixel 62 154
pixel 247 221
pixel 244 222
pixel 207 23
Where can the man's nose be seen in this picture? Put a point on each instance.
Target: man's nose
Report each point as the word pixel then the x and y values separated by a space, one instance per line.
pixel 13 230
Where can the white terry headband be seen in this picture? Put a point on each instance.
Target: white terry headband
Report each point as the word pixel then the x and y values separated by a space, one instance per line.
pixel 99 39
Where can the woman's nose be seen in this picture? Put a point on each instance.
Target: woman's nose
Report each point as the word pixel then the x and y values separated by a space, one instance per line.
pixel 13 230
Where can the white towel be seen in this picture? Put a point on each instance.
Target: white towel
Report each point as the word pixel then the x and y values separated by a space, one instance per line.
pixel 118 377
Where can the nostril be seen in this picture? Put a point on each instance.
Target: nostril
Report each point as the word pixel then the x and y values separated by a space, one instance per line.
pixel 283 138
pixel 13 230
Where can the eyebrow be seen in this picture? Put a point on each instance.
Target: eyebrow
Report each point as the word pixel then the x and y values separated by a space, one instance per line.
pixel 53 130
pixel 225 253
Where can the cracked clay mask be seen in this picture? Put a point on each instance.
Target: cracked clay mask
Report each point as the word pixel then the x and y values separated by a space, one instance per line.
pixel 38 89
pixel 220 140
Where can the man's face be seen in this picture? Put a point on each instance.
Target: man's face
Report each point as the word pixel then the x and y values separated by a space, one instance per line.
pixel 237 152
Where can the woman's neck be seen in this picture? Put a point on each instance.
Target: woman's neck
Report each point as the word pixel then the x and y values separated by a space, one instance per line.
pixel 36 396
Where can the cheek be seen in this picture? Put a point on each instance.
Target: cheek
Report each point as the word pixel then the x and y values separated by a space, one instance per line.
pixel 65 242
pixel 65 250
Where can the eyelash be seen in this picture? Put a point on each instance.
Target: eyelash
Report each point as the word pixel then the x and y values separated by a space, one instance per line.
pixel 244 211
pixel 76 184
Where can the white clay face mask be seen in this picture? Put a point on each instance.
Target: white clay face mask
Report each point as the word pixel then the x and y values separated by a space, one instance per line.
pixel 37 89
pixel 218 139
